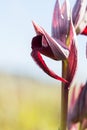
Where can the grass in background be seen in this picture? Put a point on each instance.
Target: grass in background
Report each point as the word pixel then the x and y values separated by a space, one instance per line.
pixel 28 105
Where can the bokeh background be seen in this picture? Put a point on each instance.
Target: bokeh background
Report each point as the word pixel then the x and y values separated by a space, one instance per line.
pixel 29 99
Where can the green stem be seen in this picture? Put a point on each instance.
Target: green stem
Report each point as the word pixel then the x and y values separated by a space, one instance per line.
pixel 80 126
pixel 64 98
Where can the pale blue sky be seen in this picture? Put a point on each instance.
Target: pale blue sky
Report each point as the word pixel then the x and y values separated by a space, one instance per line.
pixel 16 32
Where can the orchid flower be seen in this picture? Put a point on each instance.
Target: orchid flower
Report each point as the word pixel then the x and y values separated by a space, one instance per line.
pixel 60 46
pixel 79 16
pixel 48 46
pixel 78 108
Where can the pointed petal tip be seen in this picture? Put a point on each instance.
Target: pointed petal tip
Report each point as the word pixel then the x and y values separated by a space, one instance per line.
pixel 68 9
pixel 37 28
pixel 57 3
pixel 35 25
pixel 32 22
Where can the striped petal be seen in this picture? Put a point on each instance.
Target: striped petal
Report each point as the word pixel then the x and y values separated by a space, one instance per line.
pixel 83 24
pixel 79 15
pixel 50 47
pixel 61 21
pixel 42 43
pixel 56 22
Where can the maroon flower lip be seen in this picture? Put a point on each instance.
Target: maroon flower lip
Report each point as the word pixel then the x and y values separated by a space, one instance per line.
pixel 42 43
pixel 49 45
pixel 37 45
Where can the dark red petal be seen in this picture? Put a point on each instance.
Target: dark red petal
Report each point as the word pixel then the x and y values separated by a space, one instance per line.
pixel 36 42
pixel 37 45
pixel 49 47
pixel 84 31
pixel 39 60
pixel 58 49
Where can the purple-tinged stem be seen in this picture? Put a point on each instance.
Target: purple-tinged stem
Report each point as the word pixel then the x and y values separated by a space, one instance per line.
pixel 64 98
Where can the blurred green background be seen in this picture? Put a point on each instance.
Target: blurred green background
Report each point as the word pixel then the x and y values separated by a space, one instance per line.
pixel 26 104
pixel 29 99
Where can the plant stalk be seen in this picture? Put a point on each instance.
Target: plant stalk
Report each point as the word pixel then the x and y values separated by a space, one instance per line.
pixel 64 97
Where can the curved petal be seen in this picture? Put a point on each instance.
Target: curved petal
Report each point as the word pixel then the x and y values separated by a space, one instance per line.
pixel 37 45
pixel 39 60
pixel 57 48
pixel 72 63
pixel 73 56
